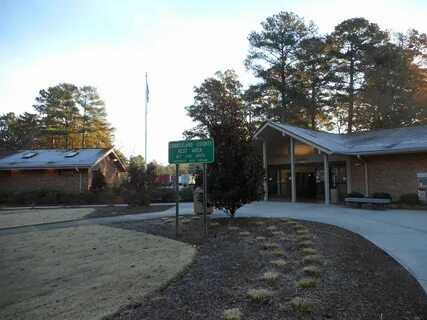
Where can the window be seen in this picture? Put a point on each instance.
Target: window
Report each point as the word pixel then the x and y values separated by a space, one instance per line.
pixel 29 155
pixel 71 154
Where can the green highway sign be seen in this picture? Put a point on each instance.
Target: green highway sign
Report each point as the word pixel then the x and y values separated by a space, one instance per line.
pixel 191 151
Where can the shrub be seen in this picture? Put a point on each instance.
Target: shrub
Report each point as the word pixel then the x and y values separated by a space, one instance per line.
pixel 186 194
pixel 354 194
pixel 98 181
pixel 136 198
pixel 309 251
pixel 381 195
pixel 410 199
pixel 168 195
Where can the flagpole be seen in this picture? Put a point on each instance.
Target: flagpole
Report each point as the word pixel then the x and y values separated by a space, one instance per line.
pixel 146 112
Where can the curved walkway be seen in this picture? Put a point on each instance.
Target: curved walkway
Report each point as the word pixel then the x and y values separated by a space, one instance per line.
pixel 401 233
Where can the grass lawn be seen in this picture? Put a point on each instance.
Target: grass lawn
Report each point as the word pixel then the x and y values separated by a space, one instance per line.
pixel 83 272
pixel 322 272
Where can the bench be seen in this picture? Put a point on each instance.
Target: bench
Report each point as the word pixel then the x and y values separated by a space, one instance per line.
pixel 374 201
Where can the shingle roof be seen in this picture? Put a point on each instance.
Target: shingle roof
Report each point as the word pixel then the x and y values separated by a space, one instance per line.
pixel 51 158
pixel 397 140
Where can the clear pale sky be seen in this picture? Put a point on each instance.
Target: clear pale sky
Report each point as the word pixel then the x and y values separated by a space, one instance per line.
pixel 111 44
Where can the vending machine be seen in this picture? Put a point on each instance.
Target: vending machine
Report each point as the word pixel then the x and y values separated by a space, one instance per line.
pixel 422 186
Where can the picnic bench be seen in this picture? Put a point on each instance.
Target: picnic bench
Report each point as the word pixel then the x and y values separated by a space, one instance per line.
pixel 374 201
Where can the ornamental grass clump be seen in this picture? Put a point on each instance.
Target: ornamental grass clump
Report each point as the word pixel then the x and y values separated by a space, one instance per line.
pixel 260 238
pixel 311 259
pixel 244 233
pixel 311 270
pixel 233 228
pixel 214 224
pixel 232 314
pixel 270 246
pixel 307 283
pixel 309 251
pixel 260 223
pixel 258 294
pixel 278 233
pixel 306 243
pixel 271 228
pixel 270 276
pixel 278 253
pixel 280 263
pixel 302 231
pixel 301 305
pixel 303 237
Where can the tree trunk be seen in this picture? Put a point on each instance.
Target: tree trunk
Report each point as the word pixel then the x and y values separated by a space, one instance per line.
pixel 351 97
pixel 313 105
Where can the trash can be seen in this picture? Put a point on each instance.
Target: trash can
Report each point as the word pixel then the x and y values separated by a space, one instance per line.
pixel 334 195
pixel 198 202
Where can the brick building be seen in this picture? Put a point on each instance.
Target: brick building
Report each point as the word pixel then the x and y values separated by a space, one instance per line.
pixel 57 169
pixel 297 161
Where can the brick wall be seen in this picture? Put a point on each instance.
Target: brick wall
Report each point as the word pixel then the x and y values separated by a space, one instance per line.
pixel 395 174
pixel 109 170
pixel 50 179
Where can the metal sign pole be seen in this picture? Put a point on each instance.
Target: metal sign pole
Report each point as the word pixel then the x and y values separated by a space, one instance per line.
pixel 205 200
pixel 177 198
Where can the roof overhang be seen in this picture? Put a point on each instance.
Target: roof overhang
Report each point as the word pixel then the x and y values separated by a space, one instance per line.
pixel 119 163
pixel 270 124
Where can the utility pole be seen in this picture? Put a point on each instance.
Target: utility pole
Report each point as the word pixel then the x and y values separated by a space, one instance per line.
pixel 146 113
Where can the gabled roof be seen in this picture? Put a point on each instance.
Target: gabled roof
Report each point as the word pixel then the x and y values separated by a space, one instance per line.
pixel 397 140
pixel 55 158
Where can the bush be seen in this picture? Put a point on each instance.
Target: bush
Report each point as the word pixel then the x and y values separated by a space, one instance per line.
pixel 381 195
pixel 354 194
pixel 98 181
pixel 136 198
pixel 168 195
pixel 410 199
pixel 186 194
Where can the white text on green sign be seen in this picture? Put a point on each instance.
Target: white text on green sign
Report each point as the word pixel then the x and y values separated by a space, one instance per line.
pixel 191 151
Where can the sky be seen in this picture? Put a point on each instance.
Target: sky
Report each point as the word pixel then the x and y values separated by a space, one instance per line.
pixel 112 44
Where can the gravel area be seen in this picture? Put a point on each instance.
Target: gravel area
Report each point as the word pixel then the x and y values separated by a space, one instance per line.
pixel 324 272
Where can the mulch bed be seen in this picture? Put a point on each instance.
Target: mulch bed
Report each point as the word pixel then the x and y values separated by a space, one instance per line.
pixel 120 211
pixel 356 279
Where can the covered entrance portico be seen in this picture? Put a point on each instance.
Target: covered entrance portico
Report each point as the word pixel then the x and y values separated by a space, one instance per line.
pixel 299 169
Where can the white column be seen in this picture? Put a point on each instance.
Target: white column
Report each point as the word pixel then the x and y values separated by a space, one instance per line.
pixel 366 180
pixel 293 180
pixel 264 158
pixel 348 174
pixel 326 177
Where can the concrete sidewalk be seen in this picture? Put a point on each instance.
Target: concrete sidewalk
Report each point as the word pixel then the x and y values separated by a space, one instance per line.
pixel 401 233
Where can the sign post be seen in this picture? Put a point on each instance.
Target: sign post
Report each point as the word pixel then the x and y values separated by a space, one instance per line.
pixel 192 151
pixel 177 197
